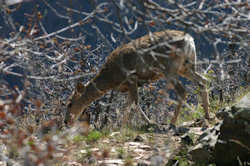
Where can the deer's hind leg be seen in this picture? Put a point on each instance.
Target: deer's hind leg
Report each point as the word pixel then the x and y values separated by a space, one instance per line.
pixel 181 97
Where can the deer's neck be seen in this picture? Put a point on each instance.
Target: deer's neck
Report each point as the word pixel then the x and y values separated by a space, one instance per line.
pixel 90 94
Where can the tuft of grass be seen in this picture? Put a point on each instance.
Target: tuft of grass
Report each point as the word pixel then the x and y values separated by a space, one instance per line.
pixel 186 115
pixel 121 152
pixel 214 106
pixel 79 138
pixel 30 143
pixel 94 136
pixel 242 92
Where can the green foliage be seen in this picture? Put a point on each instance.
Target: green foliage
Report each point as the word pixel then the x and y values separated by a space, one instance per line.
pixel 94 136
pixel 182 160
pixel 78 138
pixel 209 75
pixel 121 152
pixel 30 143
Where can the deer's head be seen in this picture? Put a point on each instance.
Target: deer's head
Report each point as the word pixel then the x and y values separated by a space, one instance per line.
pixel 74 106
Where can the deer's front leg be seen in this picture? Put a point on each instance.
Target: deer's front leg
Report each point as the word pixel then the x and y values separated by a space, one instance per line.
pixel 205 100
pixel 181 97
pixel 133 98
pixel 201 82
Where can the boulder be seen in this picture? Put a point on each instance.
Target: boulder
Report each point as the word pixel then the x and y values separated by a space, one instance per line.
pixel 233 144
pixel 228 142
pixel 202 152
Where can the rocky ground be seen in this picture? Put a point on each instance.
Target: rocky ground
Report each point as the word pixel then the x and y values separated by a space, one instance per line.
pixel 227 142
pixel 223 141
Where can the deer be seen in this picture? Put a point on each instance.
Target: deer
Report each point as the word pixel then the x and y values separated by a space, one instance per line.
pixel 167 54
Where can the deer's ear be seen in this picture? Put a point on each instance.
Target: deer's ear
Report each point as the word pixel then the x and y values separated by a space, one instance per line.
pixel 80 87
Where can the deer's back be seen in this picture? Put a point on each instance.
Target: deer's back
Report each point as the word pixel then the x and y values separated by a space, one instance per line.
pixel 136 58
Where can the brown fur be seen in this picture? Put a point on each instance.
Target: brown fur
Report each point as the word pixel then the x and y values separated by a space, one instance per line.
pixel 134 64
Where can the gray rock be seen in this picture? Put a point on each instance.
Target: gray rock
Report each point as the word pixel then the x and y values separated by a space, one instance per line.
pixel 186 139
pixel 244 102
pixel 201 154
pixel 139 138
pixel 233 143
pixel 228 142
pixel 157 160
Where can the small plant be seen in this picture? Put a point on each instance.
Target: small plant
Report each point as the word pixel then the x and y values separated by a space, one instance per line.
pixel 94 136
pixel 186 115
pixel 79 138
pixel 91 137
pixel 182 161
pixel 121 152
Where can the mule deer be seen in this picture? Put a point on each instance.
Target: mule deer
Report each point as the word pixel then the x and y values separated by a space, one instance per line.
pixel 168 54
